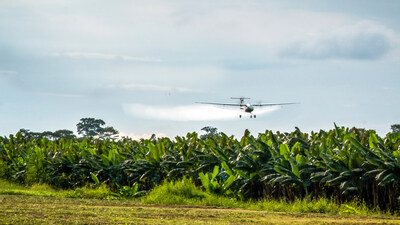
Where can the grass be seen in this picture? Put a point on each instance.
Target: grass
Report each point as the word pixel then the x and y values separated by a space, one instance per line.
pixel 35 190
pixel 19 209
pixel 178 202
pixel 184 192
pixel 44 190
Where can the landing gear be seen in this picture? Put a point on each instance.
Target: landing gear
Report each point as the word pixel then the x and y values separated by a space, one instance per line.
pixel 251 116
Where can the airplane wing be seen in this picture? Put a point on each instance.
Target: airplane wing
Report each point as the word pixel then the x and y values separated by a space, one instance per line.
pixel 215 103
pixel 274 104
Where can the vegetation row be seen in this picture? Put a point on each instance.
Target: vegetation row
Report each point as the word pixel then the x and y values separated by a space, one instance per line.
pixel 342 164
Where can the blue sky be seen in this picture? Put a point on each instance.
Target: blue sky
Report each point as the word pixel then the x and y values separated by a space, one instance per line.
pixel 141 65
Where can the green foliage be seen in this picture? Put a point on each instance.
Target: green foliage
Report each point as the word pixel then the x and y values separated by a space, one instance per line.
pixel 395 128
pixel 127 191
pixel 3 168
pixel 57 135
pixel 35 190
pixel 185 192
pixel 218 186
pixel 95 179
pixel 176 192
pixel 100 192
pixel 343 164
pixel 91 127
pixel 211 132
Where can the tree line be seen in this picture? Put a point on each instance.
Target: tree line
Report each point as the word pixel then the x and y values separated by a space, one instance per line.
pixel 87 127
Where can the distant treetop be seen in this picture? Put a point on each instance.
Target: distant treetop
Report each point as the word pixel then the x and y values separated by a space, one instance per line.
pixel 91 127
pixel 395 128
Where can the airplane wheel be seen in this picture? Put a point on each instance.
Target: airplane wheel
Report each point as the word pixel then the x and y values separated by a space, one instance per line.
pixel 251 116
pixel 254 116
pixel 240 116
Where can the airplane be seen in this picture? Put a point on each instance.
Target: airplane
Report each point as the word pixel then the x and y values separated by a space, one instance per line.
pixel 246 107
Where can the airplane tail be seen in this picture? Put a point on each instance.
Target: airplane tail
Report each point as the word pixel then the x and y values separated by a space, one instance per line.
pixel 240 98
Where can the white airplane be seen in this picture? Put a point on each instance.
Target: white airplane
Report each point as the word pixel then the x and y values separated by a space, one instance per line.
pixel 246 107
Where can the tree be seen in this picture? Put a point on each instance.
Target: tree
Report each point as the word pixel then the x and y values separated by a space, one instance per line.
pixel 67 134
pixel 210 132
pixel 108 133
pixel 57 135
pixel 395 128
pixel 91 127
pixel 45 134
pixel 35 135
pixel 25 132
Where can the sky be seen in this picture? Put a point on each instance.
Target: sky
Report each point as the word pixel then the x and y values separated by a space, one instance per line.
pixel 141 66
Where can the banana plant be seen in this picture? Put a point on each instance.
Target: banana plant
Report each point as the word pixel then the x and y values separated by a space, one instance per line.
pixel 253 163
pixel 342 163
pixel 218 186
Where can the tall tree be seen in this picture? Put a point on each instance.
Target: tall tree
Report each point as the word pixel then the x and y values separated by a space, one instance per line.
pixel 210 132
pixel 395 128
pixel 25 132
pixel 91 127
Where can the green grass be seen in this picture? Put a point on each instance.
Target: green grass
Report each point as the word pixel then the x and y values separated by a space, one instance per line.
pixel 44 190
pixel 178 202
pixel 184 192
pixel 20 209
pixel 35 190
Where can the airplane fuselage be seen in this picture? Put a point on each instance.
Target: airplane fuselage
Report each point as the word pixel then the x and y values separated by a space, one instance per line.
pixel 248 108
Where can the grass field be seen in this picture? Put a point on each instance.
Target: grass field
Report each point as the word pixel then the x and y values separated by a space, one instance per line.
pixel 170 203
pixel 20 209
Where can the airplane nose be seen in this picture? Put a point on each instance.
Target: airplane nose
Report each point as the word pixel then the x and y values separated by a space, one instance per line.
pixel 249 108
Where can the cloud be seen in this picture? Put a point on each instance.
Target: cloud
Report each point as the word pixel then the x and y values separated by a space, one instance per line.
pixel 188 112
pixel 151 87
pixel 14 78
pixel 102 56
pixel 364 40
pixel 62 95
pixel 8 72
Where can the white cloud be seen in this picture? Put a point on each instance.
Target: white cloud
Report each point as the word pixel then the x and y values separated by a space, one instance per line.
pixel 8 72
pixel 62 95
pixel 150 87
pixel 163 76
pixel 259 24
pixel 364 40
pixel 168 29
pixel 189 112
pixel 95 55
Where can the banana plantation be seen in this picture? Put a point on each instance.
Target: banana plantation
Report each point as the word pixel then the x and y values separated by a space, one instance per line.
pixel 343 164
